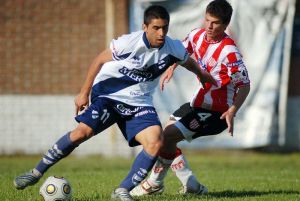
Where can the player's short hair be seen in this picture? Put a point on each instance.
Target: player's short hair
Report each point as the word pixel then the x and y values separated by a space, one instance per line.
pixel 155 12
pixel 220 9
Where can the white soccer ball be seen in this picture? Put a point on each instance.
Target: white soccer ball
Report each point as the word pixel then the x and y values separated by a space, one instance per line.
pixel 56 189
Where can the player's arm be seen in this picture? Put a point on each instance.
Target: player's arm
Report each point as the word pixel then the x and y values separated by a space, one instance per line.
pixel 82 99
pixel 241 95
pixel 240 79
pixel 204 76
pixel 166 76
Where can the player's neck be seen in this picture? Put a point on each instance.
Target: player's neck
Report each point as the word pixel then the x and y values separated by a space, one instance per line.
pixel 214 39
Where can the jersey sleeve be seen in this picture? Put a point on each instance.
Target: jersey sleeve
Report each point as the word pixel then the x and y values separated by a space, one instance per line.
pixel 237 70
pixel 121 47
pixel 180 52
pixel 187 44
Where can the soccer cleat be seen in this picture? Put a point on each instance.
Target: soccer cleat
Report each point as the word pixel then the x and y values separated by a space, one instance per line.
pixel 200 190
pixel 27 179
pixel 121 194
pixel 144 188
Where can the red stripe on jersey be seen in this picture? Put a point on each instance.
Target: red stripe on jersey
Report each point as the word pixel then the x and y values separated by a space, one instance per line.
pixel 197 35
pixel 189 47
pixel 219 96
pixel 201 93
pixel 203 48
pixel 231 59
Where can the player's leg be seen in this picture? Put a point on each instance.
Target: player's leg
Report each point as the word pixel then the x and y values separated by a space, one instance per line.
pixel 167 158
pixel 163 163
pixel 62 148
pixel 190 184
pixel 199 122
pixel 66 144
pixel 150 139
pixel 154 184
pixel 148 129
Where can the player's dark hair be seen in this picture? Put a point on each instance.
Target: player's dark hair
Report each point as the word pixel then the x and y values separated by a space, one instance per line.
pixel 220 9
pixel 155 12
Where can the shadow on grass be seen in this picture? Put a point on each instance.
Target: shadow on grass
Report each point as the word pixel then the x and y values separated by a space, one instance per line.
pixel 235 194
pixel 221 194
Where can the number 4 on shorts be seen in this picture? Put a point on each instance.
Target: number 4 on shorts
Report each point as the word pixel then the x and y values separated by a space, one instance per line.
pixel 203 116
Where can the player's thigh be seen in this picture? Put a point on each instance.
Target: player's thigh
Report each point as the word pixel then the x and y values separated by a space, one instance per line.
pixel 98 116
pixel 200 122
pixel 143 127
pixel 151 134
pixel 180 112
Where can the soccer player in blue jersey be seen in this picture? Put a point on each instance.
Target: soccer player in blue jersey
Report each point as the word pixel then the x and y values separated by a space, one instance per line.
pixel 121 80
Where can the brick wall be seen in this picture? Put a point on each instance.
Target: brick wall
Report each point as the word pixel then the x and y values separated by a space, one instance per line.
pixel 47 46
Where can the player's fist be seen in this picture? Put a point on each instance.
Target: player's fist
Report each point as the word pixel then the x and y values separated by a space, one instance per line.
pixel 81 102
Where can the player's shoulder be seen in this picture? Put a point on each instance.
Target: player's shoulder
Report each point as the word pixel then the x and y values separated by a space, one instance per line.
pixel 126 43
pixel 229 48
pixel 229 45
pixel 196 32
pixel 129 38
pixel 175 47
pixel 173 43
pixel 228 41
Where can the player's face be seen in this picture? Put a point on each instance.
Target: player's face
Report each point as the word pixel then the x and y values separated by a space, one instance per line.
pixel 156 31
pixel 214 28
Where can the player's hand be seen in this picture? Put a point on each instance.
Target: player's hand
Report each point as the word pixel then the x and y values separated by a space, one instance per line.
pixel 229 117
pixel 81 102
pixel 206 77
pixel 168 74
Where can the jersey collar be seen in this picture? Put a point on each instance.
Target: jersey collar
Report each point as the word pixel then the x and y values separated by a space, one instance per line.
pixel 147 42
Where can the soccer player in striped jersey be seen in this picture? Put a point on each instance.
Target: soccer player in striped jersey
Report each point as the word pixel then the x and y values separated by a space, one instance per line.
pixel 211 109
pixel 121 81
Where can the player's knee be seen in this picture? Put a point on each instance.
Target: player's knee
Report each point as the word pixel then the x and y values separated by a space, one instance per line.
pixel 81 134
pixel 153 147
pixel 172 135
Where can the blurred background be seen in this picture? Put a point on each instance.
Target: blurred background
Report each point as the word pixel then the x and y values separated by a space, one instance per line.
pixel 47 46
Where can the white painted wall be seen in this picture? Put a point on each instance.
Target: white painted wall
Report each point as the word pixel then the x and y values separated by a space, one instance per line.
pixel 32 124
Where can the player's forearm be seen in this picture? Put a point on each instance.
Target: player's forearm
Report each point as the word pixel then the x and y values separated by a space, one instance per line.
pixel 94 68
pixel 192 66
pixel 240 98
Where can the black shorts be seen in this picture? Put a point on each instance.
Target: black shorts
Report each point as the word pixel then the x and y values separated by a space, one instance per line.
pixel 197 122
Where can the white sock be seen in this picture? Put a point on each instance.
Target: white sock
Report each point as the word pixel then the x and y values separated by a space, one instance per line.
pixel 182 170
pixel 159 171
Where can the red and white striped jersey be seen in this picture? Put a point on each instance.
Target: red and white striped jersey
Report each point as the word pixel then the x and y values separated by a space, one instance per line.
pixel 224 62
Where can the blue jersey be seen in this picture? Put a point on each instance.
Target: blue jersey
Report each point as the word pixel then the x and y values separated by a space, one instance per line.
pixel 134 72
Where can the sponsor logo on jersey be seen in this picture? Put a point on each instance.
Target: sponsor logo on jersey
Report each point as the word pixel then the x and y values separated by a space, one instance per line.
pixel 144 112
pixel 126 110
pixel 236 63
pixel 135 74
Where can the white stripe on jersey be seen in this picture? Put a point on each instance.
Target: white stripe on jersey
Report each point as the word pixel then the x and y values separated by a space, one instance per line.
pixel 133 75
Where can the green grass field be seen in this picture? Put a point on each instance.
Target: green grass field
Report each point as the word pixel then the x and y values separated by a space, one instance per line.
pixel 229 175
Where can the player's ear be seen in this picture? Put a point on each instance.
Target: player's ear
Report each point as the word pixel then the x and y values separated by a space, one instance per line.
pixel 144 27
